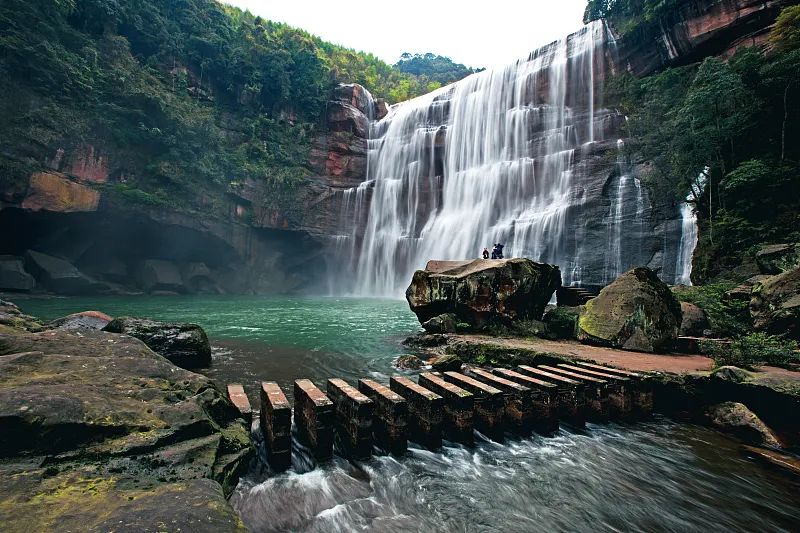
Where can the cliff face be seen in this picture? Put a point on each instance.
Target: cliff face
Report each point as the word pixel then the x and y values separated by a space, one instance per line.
pixel 77 197
pixel 698 29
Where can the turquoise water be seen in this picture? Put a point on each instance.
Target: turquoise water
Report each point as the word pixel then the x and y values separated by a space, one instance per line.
pixel 653 476
pixel 257 338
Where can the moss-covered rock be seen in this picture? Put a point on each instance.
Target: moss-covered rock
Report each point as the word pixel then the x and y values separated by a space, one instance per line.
pixel 775 304
pixel 99 433
pixel 483 292
pixel 444 323
pixel 562 322
pixel 635 312
pixel 447 363
pixel 776 258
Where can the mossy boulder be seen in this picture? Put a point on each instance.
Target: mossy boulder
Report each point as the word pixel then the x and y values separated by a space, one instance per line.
pixel 775 304
pixel 483 292
pixel 447 363
pixel 444 323
pixel 184 344
pixel 98 432
pixel 637 311
pixel 562 322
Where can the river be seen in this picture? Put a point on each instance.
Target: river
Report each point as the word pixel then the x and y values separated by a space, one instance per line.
pixel 657 475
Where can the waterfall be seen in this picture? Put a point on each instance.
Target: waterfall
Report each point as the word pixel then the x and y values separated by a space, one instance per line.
pixel 683 265
pixel 501 156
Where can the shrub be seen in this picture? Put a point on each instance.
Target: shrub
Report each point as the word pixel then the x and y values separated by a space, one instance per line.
pixel 748 350
pixel 726 317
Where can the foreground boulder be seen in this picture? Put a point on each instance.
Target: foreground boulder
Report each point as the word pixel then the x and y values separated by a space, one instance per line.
pixel 99 433
pixel 637 311
pixel 483 292
pixel 775 304
pixel 184 344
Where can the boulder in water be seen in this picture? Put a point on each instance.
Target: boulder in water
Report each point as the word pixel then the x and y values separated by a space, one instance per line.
pixel 483 292
pixel 736 418
pixel 13 276
pixel 444 323
pixel 775 304
pixel 637 311
pixel 694 321
pixel 409 362
pixel 777 258
pixel 184 344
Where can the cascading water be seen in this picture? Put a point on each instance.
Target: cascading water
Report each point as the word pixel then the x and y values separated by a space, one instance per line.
pixel 689 236
pixel 501 156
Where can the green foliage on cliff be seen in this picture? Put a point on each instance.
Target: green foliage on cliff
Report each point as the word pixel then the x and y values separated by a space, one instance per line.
pixel 439 70
pixel 727 134
pixel 192 97
pixel 631 16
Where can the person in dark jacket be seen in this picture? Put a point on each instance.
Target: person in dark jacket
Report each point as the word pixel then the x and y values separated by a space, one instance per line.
pixel 486 253
pixel 500 250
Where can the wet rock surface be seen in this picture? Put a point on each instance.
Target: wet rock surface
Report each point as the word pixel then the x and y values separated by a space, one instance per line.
pixel 736 418
pixel 444 323
pixel 99 433
pixel 409 362
pixel 637 311
pixel 483 292
pixel 13 275
pixel 61 276
pixel 184 344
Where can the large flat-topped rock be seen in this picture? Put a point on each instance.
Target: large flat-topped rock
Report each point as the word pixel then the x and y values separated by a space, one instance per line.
pixel 484 291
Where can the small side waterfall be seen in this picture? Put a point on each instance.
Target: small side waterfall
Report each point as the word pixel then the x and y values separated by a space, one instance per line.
pixel 689 236
pixel 511 155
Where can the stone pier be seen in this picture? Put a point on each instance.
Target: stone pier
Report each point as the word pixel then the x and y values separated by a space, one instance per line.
pixel 354 412
pixel 276 426
pixel 390 425
pixel 459 407
pixel 239 399
pixel 314 416
pixel 619 389
pixel 640 388
pixel 518 400
pixel 571 396
pixel 489 404
pixel 425 409
pixel 544 396
pixel 596 391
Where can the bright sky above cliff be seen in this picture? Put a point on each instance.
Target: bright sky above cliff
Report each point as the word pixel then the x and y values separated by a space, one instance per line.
pixel 478 34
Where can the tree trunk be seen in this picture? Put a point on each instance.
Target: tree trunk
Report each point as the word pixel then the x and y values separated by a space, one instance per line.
pixel 785 119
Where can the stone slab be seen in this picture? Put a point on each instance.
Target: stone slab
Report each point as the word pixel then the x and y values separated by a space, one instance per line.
pixel 571 395
pixel 276 425
pixel 425 409
pixel 239 399
pixel 390 422
pixel 459 406
pixel 544 397
pixel 518 400
pixel 314 415
pixel 354 413
pixel 619 389
pixel 489 403
pixel 596 391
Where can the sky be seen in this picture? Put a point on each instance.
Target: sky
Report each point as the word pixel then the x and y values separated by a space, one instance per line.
pixel 478 34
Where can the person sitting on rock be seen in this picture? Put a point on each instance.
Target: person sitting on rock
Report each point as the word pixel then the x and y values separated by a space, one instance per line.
pixel 486 253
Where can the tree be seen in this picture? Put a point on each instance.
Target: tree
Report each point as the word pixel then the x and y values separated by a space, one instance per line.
pixel 785 35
